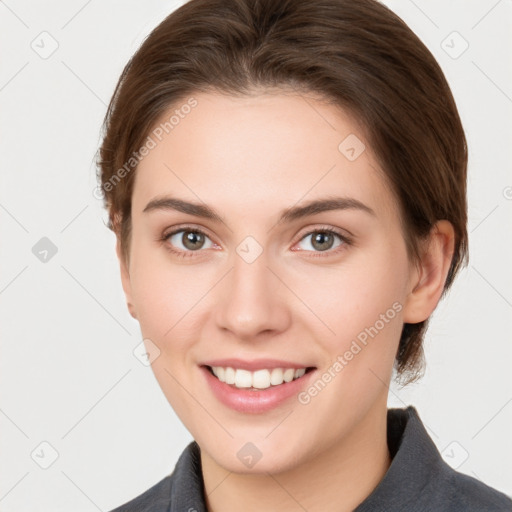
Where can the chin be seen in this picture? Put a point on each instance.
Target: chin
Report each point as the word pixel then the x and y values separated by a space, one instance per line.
pixel 256 457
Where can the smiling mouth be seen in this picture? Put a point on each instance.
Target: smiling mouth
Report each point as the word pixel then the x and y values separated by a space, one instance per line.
pixel 258 380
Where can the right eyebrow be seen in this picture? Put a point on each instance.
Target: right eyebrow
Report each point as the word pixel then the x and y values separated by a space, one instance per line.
pixel 172 203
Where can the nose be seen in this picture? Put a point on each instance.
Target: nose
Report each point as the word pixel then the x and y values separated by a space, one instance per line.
pixel 251 303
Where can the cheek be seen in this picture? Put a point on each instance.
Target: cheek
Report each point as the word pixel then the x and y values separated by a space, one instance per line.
pixel 361 303
pixel 164 294
pixel 375 324
pixel 168 299
pixel 354 294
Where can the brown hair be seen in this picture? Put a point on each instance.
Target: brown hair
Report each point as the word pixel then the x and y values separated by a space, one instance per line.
pixel 356 54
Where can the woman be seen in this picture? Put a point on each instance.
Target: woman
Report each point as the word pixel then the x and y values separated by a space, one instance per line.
pixel 287 183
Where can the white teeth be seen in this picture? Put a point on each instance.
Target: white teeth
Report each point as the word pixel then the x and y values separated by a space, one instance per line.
pixel 299 373
pixel 229 376
pixel 243 379
pixel 276 377
pixel 260 379
pixel 288 374
pixel 221 373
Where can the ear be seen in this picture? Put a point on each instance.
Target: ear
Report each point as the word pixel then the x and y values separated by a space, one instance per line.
pixel 428 277
pixel 125 279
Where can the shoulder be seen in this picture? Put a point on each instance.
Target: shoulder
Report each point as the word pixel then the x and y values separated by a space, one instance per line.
pixel 465 493
pixel 155 499
pixel 419 480
pixel 180 491
pixel 441 487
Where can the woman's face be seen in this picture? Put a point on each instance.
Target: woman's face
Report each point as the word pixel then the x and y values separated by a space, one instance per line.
pixel 264 280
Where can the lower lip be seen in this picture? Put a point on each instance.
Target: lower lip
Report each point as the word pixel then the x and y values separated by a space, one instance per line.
pixel 263 400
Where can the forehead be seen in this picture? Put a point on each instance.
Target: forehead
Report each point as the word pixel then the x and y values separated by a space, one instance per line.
pixel 258 152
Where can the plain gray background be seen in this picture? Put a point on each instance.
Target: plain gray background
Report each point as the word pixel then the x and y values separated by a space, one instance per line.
pixel 74 397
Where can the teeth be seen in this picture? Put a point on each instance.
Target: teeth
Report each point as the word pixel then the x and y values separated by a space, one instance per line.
pixel 299 373
pixel 260 379
pixel 243 379
pixel 229 375
pixel 288 375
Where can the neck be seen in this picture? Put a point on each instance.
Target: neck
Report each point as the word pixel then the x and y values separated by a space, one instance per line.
pixel 338 479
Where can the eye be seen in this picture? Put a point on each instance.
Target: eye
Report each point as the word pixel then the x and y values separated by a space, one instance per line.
pixel 323 240
pixel 187 240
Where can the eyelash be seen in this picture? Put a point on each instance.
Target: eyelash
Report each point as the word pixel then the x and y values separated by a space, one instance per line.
pixel 346 241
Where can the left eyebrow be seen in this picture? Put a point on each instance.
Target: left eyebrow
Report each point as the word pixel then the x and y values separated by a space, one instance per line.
pixel 323 205
pixel 288 215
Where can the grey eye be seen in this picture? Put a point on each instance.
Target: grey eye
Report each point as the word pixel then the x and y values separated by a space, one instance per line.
pixel 189 240
pixel 321 240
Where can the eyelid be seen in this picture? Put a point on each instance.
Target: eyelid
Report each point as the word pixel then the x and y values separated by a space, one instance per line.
pixel 167 234
pixel 346 241
pixel 345 238
pixel 344 234
pixel 186 227
pixel 305 231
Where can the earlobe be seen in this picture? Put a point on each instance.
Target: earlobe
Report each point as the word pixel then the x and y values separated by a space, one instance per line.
pixel 427 281
pixel 125 279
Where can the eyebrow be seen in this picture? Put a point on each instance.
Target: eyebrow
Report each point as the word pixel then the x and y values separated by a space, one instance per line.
pixel 288 215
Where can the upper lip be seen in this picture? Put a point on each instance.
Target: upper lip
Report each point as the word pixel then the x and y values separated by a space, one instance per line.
pixel 255 364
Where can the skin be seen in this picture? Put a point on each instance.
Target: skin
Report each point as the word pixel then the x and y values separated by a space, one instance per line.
pixel 249 158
